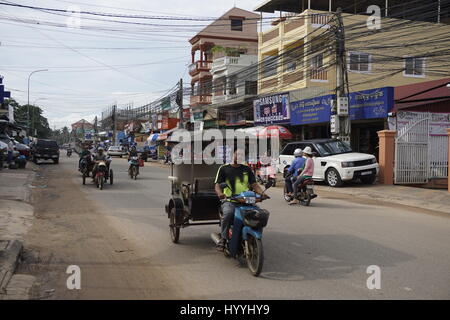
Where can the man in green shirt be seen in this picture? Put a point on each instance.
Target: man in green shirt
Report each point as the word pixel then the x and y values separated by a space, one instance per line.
pixel 239 178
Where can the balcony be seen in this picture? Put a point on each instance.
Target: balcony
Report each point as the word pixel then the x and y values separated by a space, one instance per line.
pixel 199 66
pixel 296 24
pixel 225 62
pixel 318 75
pixel 200 100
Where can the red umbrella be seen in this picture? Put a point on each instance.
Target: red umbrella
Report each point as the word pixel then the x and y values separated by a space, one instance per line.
pixel 275 131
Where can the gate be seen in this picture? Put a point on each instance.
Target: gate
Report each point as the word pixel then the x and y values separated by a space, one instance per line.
pixel 419 154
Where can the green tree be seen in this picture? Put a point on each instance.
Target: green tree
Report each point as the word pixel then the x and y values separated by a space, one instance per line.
pixel 32 115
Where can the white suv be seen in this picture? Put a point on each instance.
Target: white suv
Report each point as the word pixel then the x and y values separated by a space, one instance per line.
pixel 334 161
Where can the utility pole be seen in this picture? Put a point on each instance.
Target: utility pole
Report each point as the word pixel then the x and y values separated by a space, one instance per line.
pixel 114 123
pixel 340 119
pixel 180 103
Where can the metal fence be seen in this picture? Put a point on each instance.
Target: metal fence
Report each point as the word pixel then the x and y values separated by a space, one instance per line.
pixel 420 155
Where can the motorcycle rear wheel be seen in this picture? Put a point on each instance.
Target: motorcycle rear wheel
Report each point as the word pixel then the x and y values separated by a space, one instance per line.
pixel 306 201
pixel 255 255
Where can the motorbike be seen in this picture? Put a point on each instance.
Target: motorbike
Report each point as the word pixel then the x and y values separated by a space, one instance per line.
pixel 305 191
pixel 69 152
pixel 133 170
pixel 245 234
pixel 101 174
pixel 266 173
pixel 86 166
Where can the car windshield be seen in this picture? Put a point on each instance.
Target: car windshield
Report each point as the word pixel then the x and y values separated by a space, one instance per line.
pixel 333 147
pixel 47 144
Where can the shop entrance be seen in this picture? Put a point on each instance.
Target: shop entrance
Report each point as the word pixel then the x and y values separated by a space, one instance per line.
pixel 364 137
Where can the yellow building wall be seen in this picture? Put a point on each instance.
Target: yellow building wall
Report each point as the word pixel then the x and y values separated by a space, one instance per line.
pixel 395 40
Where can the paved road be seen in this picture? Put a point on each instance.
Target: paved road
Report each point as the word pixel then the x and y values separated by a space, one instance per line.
pixel 319 252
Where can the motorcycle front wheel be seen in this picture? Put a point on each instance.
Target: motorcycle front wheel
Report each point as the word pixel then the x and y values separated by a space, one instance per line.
pixel 254 255
pixel 306 199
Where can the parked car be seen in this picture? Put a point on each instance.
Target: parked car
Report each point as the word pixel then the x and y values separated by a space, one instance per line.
pixel 334 161
pixel 116 151
pixel 143 152
pixel 24 150
pixel 45 149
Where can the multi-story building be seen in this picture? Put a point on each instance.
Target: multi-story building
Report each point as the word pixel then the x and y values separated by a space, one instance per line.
pixel 236 30
pixel 298 56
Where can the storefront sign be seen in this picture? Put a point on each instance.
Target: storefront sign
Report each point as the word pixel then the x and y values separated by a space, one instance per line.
pixel 272 109
pixel 367 104
pixel 371 104
pixel 314 110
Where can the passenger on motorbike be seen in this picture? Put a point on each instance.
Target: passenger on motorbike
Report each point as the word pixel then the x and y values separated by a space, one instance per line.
pixel 98 157
pixel 239 178
pixel 306 174
pixel 293 171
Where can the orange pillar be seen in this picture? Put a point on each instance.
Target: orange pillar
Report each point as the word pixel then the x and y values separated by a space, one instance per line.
pixel 448 131
pixel 386 156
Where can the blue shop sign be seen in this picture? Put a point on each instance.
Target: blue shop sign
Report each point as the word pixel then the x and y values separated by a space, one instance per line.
pixel 371 104
pixel 314 110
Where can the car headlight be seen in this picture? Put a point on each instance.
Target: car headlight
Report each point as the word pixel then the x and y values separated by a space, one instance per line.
pixel 348 164
pixel 374 160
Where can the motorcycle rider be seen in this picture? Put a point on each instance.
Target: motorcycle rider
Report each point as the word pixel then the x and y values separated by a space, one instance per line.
pixel 293 171
pixel 307 173
pixel 131 153
pixel 239 178
pixel 84 153
pixel 98 157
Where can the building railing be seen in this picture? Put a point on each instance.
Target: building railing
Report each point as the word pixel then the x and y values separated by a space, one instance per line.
pixel 203 99
pixel 200 66
pixel 318 74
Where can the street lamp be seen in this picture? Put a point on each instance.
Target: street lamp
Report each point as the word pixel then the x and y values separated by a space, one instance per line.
pixel 28 104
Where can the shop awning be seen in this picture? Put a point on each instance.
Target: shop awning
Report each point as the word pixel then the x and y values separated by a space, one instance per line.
pixel 420 94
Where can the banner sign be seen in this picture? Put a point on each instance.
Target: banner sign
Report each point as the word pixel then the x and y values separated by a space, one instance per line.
pixel 314 110
pixel 272 109
pixel 371 104
pixel 367 104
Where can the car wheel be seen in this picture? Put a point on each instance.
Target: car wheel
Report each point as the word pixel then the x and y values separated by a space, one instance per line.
pixel 333 178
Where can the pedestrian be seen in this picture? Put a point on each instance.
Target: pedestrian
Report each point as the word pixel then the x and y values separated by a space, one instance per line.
pixel 10 152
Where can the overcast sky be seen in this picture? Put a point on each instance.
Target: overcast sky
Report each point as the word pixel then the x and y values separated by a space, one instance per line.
pixel 88 69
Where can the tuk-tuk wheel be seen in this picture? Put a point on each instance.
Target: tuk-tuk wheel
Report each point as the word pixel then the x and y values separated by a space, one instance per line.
pixel 174 230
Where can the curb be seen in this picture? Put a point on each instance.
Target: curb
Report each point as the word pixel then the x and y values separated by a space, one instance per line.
pixel 10 253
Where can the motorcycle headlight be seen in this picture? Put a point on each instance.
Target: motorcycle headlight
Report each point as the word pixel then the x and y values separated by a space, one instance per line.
pixel 348 164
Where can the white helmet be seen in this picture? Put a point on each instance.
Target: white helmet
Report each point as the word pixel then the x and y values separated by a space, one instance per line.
pixel 308 151
pixel 298 152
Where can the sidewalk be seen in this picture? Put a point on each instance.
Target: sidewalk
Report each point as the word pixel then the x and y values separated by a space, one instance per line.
pixel 16 215
pixel 428 199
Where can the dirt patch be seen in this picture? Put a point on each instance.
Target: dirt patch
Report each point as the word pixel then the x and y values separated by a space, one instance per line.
pixel 69 229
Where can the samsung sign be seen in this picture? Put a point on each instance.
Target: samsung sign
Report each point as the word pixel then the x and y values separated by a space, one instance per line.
pixel 272 109
pixel 367 104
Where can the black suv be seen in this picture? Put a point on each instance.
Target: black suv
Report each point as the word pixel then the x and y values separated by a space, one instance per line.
pixel 45 149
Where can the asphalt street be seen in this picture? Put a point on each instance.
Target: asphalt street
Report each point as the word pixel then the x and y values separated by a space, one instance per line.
pixel 317 252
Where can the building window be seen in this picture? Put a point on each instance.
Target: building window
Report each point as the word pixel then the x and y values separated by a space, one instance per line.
pixel 232 90
pixel 359 62
pixel 251 87
pixel 317 61
pixel 414 67
pixel 270 66
pixel 236 24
